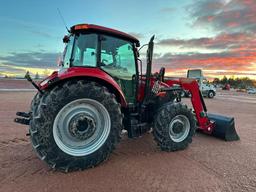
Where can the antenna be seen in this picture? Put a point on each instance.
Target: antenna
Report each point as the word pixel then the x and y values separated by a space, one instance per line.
pixel 63 20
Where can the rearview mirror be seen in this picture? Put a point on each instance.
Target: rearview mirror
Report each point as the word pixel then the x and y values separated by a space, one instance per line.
pixel 65 39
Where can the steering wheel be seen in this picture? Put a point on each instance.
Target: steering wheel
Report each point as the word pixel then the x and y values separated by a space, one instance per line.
pixel 161 74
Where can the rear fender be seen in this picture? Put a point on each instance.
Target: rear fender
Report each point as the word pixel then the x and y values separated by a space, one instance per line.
pixel 92 74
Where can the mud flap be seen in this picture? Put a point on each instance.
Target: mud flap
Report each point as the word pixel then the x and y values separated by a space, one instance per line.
pixel 224 127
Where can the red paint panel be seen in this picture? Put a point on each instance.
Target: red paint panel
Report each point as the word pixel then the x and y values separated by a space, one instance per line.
pixel 86 72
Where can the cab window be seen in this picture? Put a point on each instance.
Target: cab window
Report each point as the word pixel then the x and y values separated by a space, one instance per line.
pixel 84 52
pixel 117 58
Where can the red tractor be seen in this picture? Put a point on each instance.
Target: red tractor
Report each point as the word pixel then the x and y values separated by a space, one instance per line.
pixel 77 116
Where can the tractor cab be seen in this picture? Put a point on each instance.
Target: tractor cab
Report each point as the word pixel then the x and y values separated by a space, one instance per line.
pixel 111 51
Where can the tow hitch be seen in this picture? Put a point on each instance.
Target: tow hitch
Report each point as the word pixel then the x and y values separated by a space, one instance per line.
pixel 24 118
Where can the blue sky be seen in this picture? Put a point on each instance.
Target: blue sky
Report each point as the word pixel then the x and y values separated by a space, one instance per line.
pixel 29 25
pixel 32 30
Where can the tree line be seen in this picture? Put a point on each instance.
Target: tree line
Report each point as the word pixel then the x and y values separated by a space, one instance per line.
pixel 236 82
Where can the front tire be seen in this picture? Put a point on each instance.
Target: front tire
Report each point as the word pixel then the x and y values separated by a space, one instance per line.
pixel 211 94
pixel 174 127
pixel 75 125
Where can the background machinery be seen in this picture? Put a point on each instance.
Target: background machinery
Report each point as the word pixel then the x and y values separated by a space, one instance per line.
pixel 207 90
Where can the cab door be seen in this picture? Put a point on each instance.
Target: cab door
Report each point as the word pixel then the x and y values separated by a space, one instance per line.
pixel 118 60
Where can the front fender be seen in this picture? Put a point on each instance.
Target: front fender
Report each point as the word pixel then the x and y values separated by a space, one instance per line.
pixel 93 74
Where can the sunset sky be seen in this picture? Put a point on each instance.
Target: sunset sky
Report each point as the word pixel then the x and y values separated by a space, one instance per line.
pixel 218 36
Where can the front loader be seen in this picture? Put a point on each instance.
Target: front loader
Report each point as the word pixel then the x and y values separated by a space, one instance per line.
pixel 78 113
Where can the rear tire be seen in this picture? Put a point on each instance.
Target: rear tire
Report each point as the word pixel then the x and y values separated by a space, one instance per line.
pixel 75 125
pixel 174 127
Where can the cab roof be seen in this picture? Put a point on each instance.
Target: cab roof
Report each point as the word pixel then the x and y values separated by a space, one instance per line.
pixel 104 30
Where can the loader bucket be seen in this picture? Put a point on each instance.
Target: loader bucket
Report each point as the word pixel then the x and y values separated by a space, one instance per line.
pixel 224 127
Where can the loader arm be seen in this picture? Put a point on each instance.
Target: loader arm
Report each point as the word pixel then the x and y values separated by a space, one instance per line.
pixel 213 124
pixel 197 101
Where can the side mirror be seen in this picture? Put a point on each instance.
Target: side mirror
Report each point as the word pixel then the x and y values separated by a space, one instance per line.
pixel 65 39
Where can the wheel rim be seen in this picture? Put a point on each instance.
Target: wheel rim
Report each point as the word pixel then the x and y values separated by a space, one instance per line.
pixel 211 94
pixel 81 127
pixel 179 128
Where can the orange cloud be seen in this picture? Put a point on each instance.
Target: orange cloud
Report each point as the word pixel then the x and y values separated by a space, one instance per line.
pixel 228 53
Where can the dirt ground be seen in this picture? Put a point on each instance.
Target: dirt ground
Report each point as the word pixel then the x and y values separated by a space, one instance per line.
pixel 14 84
pixel 208 164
